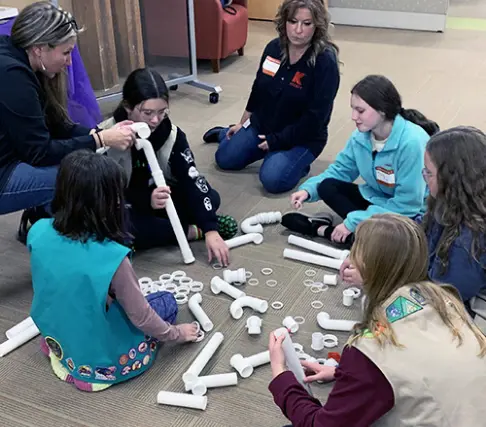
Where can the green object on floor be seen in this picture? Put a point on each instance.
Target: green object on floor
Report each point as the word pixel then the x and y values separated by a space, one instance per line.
pixel 473 24
pixel 227 226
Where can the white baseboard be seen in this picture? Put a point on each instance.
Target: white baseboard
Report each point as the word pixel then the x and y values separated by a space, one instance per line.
pixel 388 19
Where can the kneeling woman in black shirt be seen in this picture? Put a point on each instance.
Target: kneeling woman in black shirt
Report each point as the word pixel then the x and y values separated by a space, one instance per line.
pixel 146 99
pixel 286 118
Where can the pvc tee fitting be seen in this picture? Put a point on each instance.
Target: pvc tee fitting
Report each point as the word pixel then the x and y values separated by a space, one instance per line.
pixel 254 325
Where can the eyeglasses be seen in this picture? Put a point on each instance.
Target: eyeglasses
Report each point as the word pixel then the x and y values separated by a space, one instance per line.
pixel 150 114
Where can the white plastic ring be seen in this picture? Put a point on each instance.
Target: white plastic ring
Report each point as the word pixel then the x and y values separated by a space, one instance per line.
pixel 271 283
pixel 324 288
pixel 197 324
pixel 253 281
pixel 248 274
pixel 310 272
pixel 184 289
pixel 196 286
pixel 298 347
pixel 299 319
pixel 171 287
pixel 185 280
pixel 181 298
pixel 158 286
pixel 165 278
pixel 317 304
pixel 200 336
pixel 145 281
pixel 303 356
pixel 315 289
pixel 330 341
pixel 309 282
pixel 217 266
pixel 267 271
pixel 277 305
pixel 178 275
pixel 356 290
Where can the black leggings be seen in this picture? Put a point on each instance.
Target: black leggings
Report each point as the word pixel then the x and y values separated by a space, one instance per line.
pixel 150 230
pixel 342 197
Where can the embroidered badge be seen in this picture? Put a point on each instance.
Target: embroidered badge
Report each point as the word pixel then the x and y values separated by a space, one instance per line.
pixel 132 353
pixel 146 360
pixel 126 370
pixel 153 346
pixel 193 172
pixel 297 80
pixel 105 374
pixel 143 347
pixel 55 347
pixel 123 359
pixel 401 308
pixel 85 371
pixel 417 296
pixel 188 156
pixel 136 365
pixel 70 364
pixel 202 184
pixel 207 204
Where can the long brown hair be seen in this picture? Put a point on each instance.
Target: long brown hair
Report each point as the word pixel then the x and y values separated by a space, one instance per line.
pixel 42 23
pixel 321 20
pixel 390 251
pixel 459 154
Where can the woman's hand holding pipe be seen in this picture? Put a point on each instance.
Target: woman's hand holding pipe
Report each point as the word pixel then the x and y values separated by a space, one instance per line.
pixel 120 137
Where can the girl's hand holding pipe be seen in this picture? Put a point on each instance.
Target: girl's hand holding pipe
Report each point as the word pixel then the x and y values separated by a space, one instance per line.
pixel 277 355
pixel 159 197
pixel 316 372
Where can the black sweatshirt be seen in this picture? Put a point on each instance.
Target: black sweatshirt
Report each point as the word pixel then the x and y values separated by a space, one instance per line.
pixel 24 135
pixel 193 189
pixel 294 106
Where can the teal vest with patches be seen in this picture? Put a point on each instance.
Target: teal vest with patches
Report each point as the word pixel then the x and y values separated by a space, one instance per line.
pixel 96 343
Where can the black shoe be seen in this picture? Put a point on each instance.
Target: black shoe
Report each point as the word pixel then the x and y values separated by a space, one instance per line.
pixel 338 245
pixel 306 224
pixel 212 135
pixel 29 218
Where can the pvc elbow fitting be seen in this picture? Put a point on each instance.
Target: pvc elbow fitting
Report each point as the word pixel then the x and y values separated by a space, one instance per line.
pixel 236 308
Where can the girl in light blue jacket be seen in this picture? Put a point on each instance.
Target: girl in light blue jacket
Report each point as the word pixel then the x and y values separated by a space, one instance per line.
pixel 386 151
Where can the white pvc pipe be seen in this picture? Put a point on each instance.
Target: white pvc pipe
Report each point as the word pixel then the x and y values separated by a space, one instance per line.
pixel 18 340
pixel 246 365
pixel 182 399
pixel 199 388
pixel 254 325
pixel 330 279
pixel 253 223
pixel 325 322
pixel 199 313
pixel 257 304
pixel 218 285
pixel 201 360
pixel 348 297
pixel 243 240
pixel 291 358
pixel 19 327
pixel 159 179
pixel 313 259
pixel 142 129
pixel 317 247
pixel 232 276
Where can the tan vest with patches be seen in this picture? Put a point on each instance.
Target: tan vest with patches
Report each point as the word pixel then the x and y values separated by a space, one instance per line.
pixel 436 383
pixel 124 158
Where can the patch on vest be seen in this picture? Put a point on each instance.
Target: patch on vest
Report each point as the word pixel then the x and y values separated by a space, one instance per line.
pixel 202 184
pixel 193 172
pixel 105 374
pixel 417 296
pixel 401 308
pixel 55 347
pixel 207 204
pixel 70 364
pixel 188 156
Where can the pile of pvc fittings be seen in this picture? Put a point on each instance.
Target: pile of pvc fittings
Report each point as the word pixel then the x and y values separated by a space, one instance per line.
pixel 177 283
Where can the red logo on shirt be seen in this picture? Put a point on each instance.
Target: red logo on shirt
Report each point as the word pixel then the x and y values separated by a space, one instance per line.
pixel 297 80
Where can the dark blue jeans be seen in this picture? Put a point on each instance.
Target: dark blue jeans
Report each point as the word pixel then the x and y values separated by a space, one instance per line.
pixel 28 187
pixel 280 171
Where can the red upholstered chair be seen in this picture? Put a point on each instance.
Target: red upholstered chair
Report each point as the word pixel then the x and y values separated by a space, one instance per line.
pixel 219 33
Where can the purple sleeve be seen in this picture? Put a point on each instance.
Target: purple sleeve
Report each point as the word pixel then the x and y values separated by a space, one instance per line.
pixel 360 396
pixel 126 290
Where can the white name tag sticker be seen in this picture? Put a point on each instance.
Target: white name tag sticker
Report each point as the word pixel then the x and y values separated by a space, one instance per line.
pixel 270 66
pixel 247 123
pixel 385 176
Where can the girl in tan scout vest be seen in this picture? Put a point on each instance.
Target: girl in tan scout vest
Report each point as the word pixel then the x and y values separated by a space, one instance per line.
pixel 416 359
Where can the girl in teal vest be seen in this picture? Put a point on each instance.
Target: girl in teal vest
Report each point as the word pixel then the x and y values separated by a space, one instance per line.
pixel 97 327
